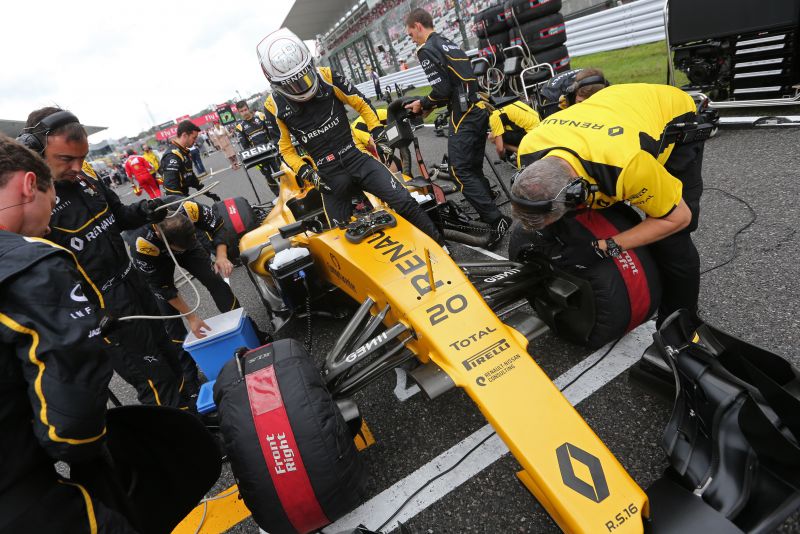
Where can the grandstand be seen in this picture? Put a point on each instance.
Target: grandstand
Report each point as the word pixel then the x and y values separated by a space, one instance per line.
pixel 354 34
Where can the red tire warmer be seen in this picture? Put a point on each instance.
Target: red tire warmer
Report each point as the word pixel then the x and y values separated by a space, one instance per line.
pixel 615 295
pixel 290 450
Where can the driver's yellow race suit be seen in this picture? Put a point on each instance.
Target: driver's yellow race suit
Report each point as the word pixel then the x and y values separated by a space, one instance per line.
pixel 321 127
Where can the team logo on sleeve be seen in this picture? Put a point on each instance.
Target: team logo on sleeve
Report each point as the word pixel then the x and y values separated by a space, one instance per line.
pixel 192 210
pixel 143 246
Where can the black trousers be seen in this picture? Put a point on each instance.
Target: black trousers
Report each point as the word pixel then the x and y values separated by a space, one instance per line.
pixel 355 171
pixel 465 149
pixel 676 255
pixel 198 263
pixel 141 351
pixel 62 507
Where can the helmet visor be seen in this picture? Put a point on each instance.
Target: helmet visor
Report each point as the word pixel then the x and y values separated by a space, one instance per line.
pixel 298 84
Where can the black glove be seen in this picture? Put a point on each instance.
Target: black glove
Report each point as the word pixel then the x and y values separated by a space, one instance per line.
pixel 378 134
pixel 309 175
pixel 149 207
pixel 212 196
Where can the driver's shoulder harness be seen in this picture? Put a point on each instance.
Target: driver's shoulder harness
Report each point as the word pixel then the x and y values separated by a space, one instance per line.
pixel 319 125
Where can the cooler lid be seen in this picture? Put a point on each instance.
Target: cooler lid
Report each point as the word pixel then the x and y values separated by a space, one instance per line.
pixel 221 324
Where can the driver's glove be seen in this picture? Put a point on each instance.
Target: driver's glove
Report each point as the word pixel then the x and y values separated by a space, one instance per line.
pixel 307 174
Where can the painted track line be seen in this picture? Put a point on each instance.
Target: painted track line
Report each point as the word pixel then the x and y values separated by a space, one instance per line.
pixel 379 508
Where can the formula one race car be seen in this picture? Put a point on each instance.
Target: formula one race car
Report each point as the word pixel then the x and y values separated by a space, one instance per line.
pixel 284 422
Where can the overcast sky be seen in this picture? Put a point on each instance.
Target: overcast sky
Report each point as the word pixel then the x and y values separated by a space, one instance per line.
pixel 104 60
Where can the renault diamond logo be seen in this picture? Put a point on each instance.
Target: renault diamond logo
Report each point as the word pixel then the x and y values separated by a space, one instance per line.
pixel 597 488
pixel 76 243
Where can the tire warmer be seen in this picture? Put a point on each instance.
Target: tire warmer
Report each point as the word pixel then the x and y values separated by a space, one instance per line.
pixel 290 450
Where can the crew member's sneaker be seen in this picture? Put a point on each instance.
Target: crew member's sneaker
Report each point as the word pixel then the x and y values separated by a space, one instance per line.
pixel 498 230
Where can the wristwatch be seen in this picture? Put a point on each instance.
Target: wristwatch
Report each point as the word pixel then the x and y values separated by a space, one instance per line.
pixel 612 249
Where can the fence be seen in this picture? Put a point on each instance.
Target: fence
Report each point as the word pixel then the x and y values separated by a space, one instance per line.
pixel 631 24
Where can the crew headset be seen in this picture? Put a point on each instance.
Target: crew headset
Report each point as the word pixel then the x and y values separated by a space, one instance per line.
pixel 572 91
pixel 576 193
pixel 35 138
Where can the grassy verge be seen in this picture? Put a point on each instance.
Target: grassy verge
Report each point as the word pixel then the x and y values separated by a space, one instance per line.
pixel 645 63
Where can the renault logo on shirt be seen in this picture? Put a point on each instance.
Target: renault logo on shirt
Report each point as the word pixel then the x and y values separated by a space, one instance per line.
pixel 615 131
pixel 77 294
pixel 76 243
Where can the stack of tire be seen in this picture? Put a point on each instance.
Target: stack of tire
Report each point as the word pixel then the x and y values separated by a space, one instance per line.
pixel 492 31
pixel 538 27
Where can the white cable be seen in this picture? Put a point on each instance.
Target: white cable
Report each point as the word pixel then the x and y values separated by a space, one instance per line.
pixel 181 200
pixel 185 276
pixel 205 507
pixel 175 261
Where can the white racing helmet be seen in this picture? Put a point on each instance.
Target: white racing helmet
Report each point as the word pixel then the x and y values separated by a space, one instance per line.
pixel 287 64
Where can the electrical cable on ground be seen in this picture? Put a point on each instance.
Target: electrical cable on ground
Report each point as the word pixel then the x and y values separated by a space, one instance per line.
pixel 754 216
pixel 429 482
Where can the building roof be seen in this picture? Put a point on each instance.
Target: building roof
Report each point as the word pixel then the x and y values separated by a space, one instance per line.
pixel 14 128
pixel 309 18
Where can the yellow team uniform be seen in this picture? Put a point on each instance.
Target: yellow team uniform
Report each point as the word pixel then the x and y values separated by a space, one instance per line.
pixel 615 139
pixel 152 159
pixel 361 133
pixel 512 122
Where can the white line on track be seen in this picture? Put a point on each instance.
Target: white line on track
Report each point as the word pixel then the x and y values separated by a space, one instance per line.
pixel 375 511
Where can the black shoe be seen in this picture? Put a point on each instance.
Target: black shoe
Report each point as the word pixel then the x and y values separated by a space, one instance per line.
pixel 498 230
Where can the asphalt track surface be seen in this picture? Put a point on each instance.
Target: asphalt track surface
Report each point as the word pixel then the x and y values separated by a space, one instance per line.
pixel 754 297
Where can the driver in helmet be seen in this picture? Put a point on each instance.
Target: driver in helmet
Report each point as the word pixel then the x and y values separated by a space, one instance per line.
pixel 309 103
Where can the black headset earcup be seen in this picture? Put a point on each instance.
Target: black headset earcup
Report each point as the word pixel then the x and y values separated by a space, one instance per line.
pixel 577 192
pixel 570 92
pixel 35 137
pixel 31 141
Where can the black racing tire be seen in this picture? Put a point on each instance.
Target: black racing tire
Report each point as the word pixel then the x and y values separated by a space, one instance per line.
pixel 603 308
pixel 299 421
pixel 540 34
pixel 557 57
pixel 498 41
pixel 490 21
pixel 527 10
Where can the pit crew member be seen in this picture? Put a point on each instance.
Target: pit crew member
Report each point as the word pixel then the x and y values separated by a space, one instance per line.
pixel 55 371
pixel 139 169
pixel 176 163
pixel 623 144
pixel 88 220
pixel 453 84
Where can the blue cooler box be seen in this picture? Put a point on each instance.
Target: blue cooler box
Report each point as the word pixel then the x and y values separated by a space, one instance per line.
pixel 205 398
pixel 229 331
